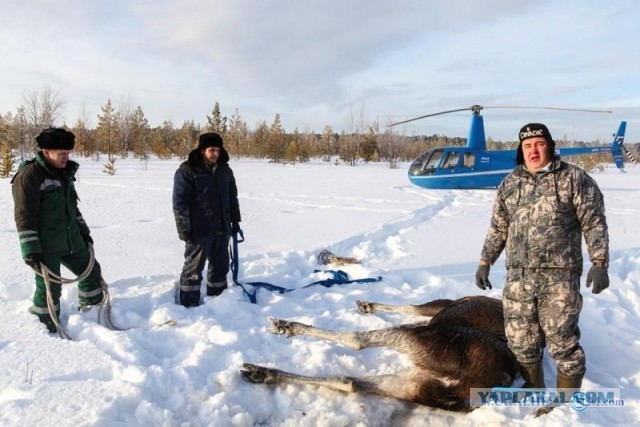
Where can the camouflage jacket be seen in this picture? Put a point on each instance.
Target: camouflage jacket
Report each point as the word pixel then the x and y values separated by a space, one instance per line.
pixel 540 219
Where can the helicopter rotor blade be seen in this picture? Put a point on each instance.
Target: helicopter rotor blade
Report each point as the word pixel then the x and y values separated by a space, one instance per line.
pixel 477 108
pixel 429 115
pixel 586 110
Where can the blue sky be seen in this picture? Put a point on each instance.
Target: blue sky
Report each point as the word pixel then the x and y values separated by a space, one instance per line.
pixel 332 62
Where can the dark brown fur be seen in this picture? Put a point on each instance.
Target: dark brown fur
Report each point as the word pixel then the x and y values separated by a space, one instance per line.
pixel 463 346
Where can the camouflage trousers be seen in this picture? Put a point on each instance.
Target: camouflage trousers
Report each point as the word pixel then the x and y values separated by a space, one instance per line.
pixel 543 306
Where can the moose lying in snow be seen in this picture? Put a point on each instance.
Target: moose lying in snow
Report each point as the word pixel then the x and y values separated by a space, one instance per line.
pixel 462 346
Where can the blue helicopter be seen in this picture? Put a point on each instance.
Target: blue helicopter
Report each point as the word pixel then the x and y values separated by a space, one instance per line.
pixel 474 167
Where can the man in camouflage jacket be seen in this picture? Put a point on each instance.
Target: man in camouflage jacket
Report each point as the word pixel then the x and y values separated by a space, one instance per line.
pixel 541 211
pixel 50 226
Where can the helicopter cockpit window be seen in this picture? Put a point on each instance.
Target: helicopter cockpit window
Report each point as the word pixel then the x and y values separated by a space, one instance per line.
pixel 451 161
pixel 433 160
pixel 469 160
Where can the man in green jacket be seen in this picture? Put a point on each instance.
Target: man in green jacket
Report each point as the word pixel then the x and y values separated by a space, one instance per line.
pixel 50 226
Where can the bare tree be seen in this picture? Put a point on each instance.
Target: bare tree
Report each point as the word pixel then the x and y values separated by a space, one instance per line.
pixel 42 108
pixel 352 139
pixel 20 135
pixel 391 147
pixel 124 119
pixel 326 143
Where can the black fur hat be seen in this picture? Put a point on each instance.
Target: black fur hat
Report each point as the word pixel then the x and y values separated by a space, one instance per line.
pixel 56 139
pixel 533 130
pixel 210 139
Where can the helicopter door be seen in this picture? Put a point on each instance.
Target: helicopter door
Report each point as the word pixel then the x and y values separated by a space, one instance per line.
pixel 450 160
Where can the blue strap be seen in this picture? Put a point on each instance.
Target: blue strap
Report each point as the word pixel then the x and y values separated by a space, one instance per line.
pixel 339 276
pixel 233 254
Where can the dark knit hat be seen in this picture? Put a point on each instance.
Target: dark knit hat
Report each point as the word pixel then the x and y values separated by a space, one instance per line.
pixel 56 139
pixel 533 130
pixel 210 139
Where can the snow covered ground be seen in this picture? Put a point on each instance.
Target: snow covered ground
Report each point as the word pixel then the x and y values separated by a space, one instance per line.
pixel 425 245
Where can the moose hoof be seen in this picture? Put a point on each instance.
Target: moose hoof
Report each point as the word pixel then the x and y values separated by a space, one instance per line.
pixel 365 307
pixel 281 327
pixel 257 374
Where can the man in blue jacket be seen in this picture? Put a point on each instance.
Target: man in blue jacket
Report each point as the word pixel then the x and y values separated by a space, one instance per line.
pixel 206 210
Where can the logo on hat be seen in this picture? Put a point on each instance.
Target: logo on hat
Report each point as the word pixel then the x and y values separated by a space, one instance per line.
pixel 533 130
pixel 531 133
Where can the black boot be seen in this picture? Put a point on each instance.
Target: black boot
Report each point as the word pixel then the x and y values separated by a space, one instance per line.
pixel 215 289
pixel 45 318
pixel 533 375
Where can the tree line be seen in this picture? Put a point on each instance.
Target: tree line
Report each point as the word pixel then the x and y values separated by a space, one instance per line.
pixel 126 132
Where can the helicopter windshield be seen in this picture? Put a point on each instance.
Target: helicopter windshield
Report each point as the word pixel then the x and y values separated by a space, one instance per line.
pixel 426 163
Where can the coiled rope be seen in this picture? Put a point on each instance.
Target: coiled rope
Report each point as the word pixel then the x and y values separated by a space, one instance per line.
pixel 104 310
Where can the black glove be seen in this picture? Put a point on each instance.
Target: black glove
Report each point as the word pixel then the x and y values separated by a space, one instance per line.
pixel 87 240
pixel 34 260
pixel 185 237
pixel 235 227
pixel 482 277
pixel 599 277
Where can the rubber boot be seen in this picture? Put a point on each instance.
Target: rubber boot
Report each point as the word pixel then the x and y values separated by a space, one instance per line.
pixel 566 386
pixel 533 375
pixel 216 288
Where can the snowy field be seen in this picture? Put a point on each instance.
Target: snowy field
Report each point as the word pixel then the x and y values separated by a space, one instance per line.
pixel 425 244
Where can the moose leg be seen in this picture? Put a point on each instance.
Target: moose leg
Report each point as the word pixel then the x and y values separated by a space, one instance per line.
pixel 395 337
pixel 429 309
pixel 412 385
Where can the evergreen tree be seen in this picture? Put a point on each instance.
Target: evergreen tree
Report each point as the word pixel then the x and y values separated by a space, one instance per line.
pixel 186 139
pixel 369 147
pixel 260 140
pixel 7 161
pixel 292 155
pixel 237 136
pixel 277 141
pixel 139 136
pixel 110 166
pixel 163 139
pixel 216 122
pixel 107 130
pixel 84 138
